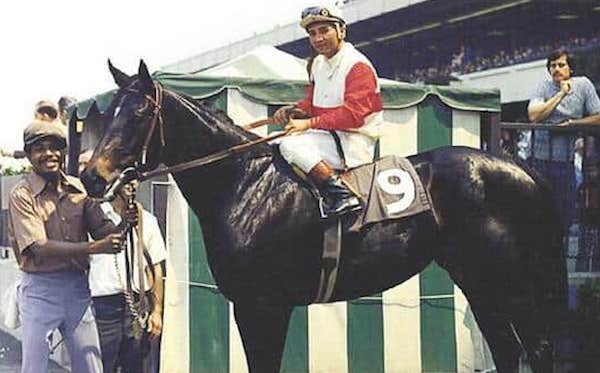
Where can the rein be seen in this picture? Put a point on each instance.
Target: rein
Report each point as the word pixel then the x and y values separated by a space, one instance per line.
pixel 199 162
pixel 136 256
pixel 209 159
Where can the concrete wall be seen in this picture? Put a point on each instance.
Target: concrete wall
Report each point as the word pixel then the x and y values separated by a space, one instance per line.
pixel 514 82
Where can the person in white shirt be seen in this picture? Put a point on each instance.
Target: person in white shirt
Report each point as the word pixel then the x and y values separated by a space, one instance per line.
pixel 107 277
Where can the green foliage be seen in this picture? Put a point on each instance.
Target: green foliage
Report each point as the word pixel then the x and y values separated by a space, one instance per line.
pixel 10 171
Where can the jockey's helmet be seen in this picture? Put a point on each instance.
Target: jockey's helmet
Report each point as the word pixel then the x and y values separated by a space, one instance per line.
pixel 314 14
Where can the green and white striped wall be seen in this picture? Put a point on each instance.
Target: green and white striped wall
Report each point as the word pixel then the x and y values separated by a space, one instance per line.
pixel 422 325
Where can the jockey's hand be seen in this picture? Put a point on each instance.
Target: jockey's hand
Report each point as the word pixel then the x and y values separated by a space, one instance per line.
pixel 111 244
pixel 130 214
pixel 285 113
pixel 282 115
pixel 297 113
pixel 297 125
pixel 155 324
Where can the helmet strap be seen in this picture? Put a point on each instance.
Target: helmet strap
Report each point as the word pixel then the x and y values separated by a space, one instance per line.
pixel 338 30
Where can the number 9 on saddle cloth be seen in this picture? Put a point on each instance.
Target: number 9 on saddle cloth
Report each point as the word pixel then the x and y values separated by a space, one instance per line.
pixel 389 188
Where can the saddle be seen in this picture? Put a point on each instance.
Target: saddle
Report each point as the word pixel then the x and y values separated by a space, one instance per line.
pixel 389 188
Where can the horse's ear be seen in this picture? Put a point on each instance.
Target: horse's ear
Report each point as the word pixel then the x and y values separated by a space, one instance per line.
pixel 120 77
pixel 144 74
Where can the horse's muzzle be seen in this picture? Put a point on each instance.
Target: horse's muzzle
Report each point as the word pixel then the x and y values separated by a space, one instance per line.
pixel 94 183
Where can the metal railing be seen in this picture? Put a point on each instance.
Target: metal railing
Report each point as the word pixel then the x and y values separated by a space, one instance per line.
pixel 569 158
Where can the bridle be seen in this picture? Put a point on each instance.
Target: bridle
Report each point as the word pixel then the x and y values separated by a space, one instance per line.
pixel 156 101
pixel 156 120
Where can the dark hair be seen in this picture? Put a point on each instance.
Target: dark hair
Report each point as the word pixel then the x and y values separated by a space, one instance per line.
pixel 66 101
pixel 48 110
pixel 558 54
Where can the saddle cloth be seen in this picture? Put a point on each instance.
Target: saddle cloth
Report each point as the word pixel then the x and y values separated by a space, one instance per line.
pixel 389 188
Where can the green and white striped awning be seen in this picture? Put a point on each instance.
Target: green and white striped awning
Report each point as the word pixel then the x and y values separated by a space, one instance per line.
pixel 396 95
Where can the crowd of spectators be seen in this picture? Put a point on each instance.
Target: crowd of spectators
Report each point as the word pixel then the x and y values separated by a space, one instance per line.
pixel 468 60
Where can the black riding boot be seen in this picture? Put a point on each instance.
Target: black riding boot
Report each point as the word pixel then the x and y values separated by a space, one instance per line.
pixel 339 200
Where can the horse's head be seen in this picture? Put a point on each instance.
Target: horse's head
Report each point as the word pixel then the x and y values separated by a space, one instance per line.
pixel 132 132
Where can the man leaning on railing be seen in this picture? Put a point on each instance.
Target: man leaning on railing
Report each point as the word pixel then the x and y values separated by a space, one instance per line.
pixel 562 100
pixel 565 99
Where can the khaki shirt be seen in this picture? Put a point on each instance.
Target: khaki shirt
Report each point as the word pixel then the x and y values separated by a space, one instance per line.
pixel 37 212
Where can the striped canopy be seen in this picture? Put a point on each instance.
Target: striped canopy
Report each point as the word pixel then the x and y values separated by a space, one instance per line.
pixel 276 91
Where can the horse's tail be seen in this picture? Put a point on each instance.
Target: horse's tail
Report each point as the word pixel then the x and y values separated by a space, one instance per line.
pixel 523 197
pixel 550 276
pixel 524 200
pixel 550 250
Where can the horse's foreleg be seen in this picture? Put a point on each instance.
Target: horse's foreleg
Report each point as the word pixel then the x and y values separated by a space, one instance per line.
pixel 263 329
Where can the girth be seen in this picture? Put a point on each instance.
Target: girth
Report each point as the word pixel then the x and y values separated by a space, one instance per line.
pixel 330 259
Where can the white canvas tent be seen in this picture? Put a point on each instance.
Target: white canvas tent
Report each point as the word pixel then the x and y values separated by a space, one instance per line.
pixel 263 62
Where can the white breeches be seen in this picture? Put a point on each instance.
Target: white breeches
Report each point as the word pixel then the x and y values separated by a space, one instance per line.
pixel 308 148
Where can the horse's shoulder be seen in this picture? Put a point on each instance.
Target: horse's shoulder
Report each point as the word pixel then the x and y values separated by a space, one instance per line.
pixel 273 178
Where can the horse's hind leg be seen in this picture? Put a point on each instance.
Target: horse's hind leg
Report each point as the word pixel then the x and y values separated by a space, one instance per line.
pixel 263 329
pixel 531 322
pixel 499 335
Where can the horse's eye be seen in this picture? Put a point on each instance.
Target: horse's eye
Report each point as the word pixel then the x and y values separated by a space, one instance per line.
pixel 141 111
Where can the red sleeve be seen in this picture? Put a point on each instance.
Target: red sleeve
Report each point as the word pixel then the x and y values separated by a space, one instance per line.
pixel 360 99
pixel 307 104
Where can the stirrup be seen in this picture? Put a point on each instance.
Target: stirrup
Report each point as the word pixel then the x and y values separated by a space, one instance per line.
pixel 344 207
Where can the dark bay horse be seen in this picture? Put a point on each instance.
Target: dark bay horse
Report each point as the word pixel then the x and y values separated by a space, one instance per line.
pixel 497 232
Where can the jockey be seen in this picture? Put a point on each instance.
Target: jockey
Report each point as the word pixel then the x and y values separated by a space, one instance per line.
pixel 343 101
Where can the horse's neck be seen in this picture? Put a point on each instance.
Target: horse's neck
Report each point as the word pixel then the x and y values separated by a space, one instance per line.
pixel 239 200
pixel 191 132
pixel 219 187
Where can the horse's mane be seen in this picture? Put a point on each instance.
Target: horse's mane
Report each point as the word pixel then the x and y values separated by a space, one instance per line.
pixel 218 120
